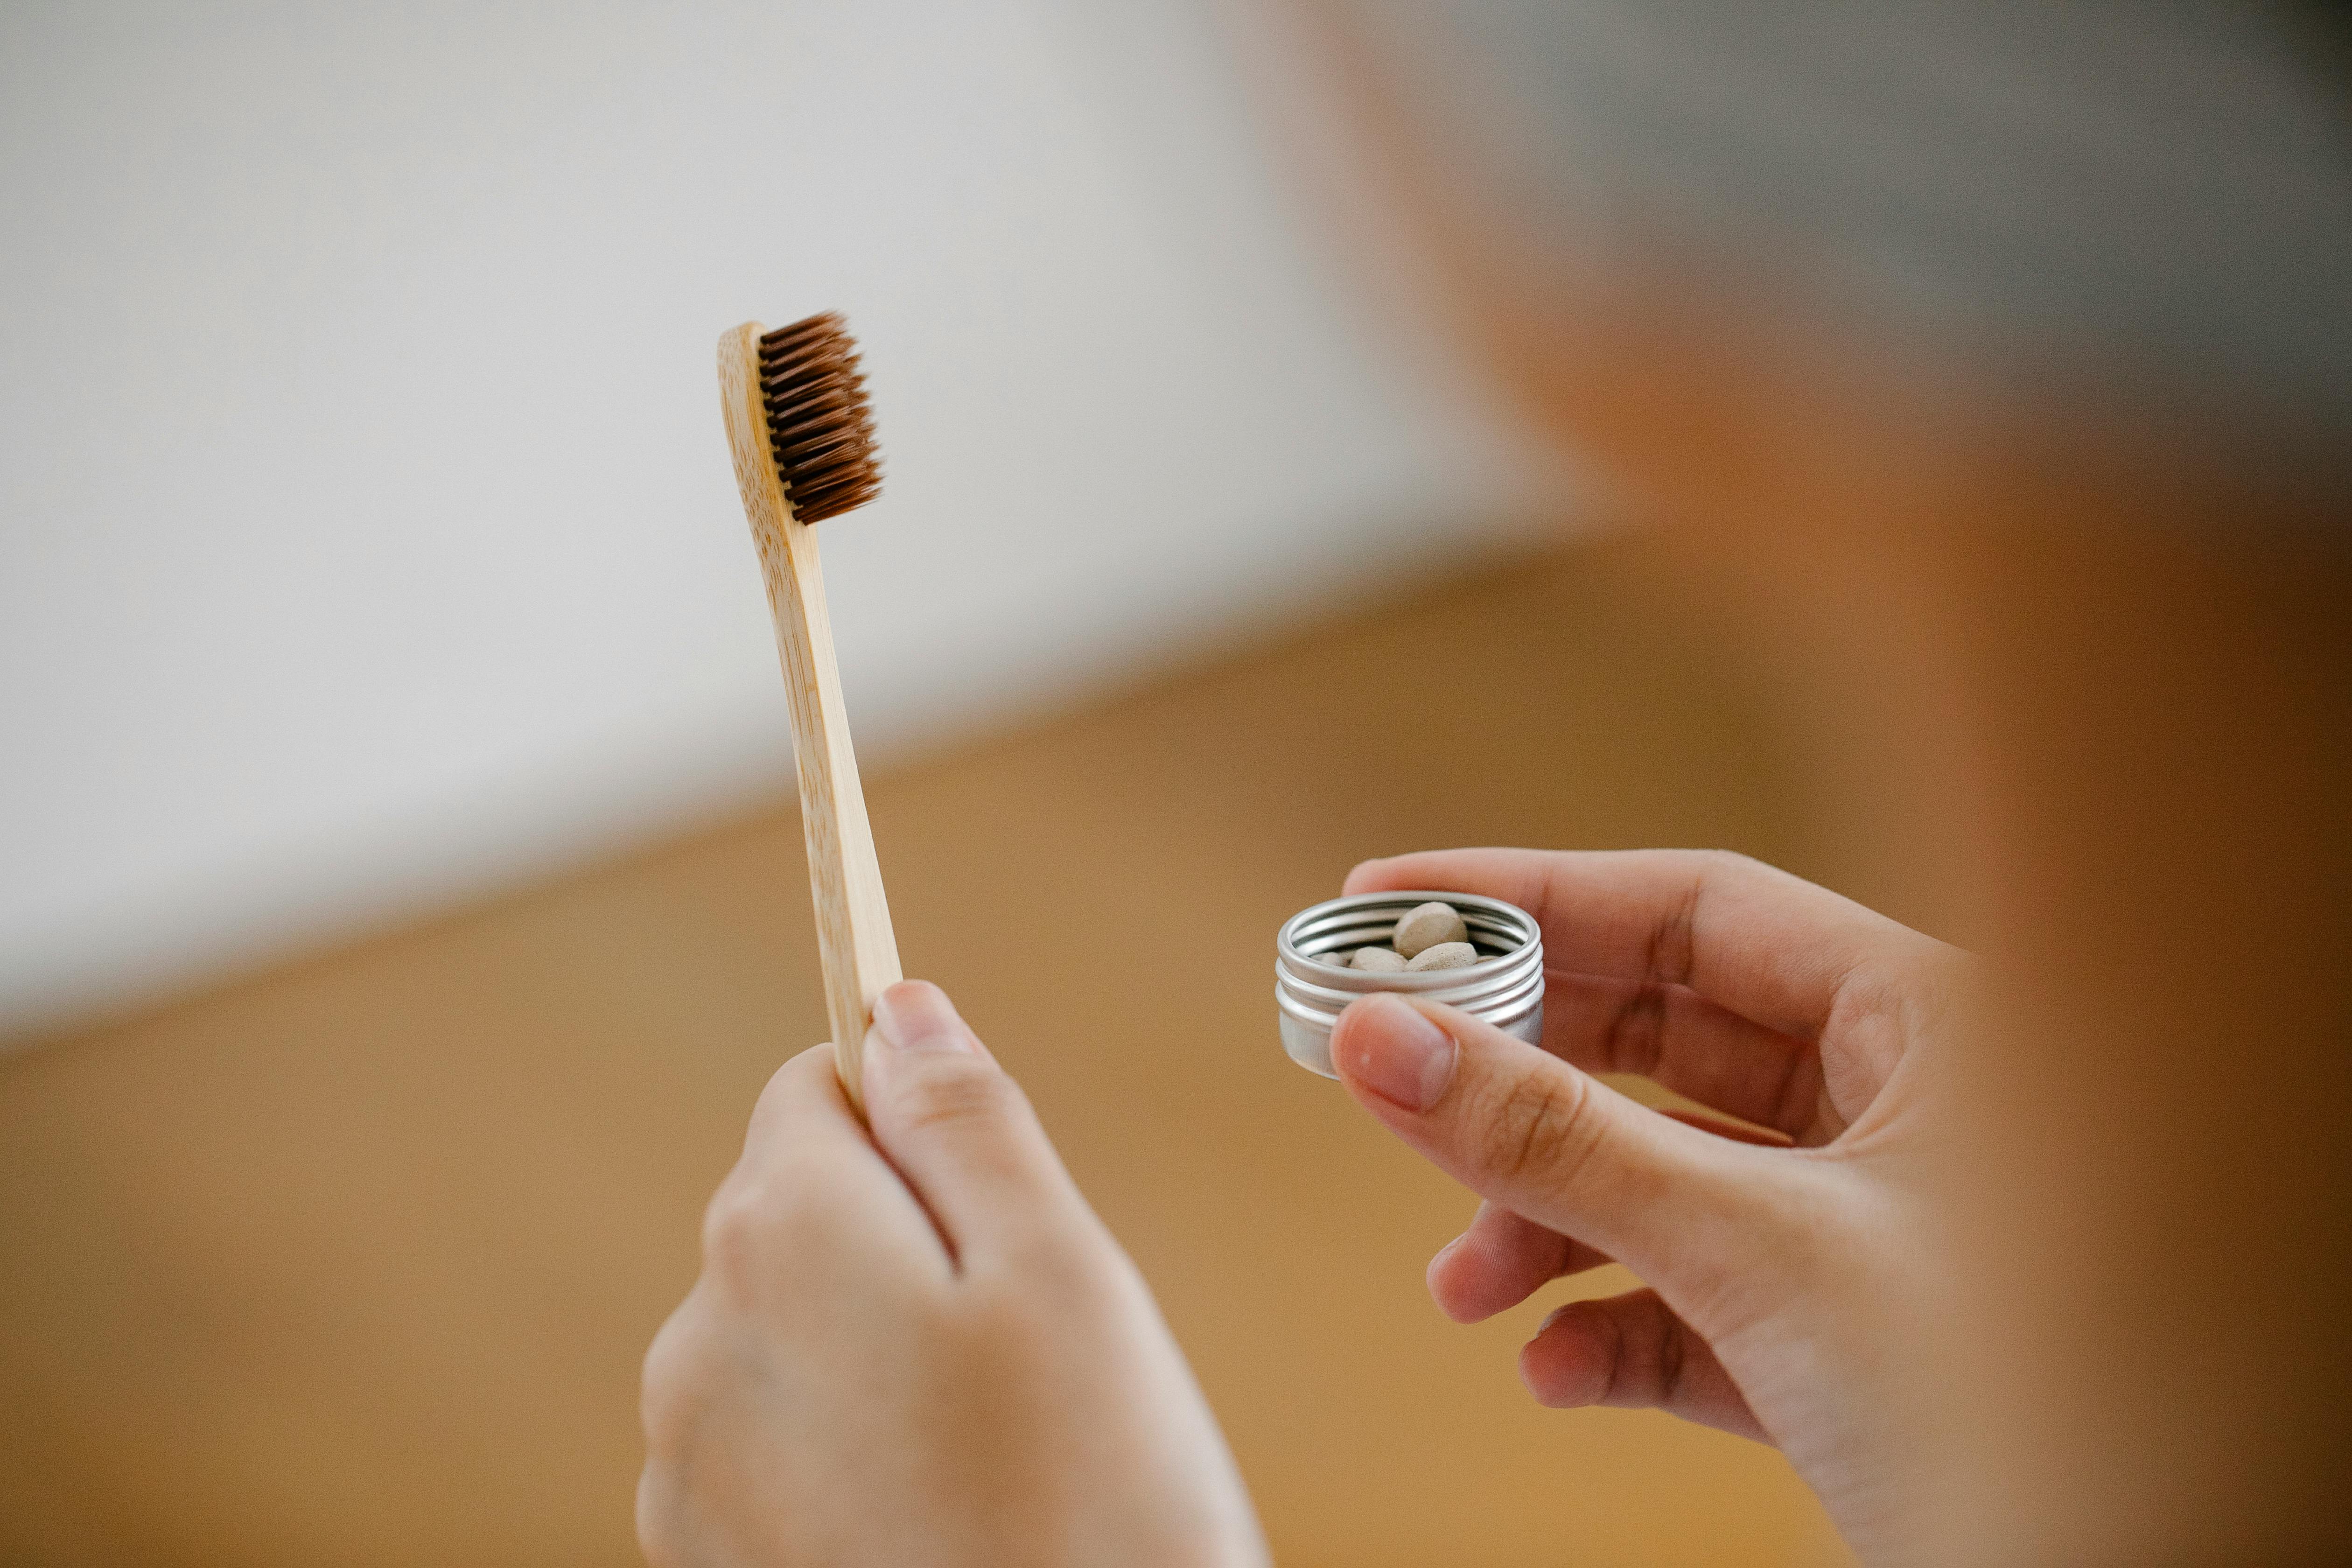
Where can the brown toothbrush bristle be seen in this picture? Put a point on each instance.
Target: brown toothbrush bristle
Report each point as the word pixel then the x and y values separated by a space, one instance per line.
pixel 818 422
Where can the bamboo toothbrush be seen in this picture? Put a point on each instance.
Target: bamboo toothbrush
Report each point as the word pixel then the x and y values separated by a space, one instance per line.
pixel 803 438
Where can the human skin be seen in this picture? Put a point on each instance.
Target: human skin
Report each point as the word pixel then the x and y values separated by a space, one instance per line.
pixel 1786 1288
pixel 2084 704
pixel 2071 681
pixel 2063 644
pixel 918 1344
pixel 2073 686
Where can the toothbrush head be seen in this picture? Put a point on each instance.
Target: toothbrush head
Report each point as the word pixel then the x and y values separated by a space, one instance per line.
pixel 819 426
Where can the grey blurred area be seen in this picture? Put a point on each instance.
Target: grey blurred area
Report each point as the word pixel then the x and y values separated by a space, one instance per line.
pixel 2161 188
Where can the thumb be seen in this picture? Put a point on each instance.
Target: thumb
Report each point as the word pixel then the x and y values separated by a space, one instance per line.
pixel 1524 1129
pixel 959 1129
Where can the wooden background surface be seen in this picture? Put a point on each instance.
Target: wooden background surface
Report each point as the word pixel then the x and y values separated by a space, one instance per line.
pixel 353 1262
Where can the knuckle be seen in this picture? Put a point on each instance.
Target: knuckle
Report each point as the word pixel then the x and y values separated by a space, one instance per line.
pixel 732 1227
pixel 1673 943
pixel 1641 1371
pixel 1538 1128
pixel 1669 1362
pixel 753 1224
pixel 1608 1336
pixel 1636 1035
pixel 962 1092
pixel 673 1386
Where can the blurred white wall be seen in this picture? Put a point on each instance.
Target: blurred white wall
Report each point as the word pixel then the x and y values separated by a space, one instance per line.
pixel 366 529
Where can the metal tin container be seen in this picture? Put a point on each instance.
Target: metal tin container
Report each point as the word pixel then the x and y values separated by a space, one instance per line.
pixel 1504 987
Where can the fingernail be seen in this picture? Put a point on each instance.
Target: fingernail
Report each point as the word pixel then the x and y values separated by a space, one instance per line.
pixel 915 1015
pixel 1401 1056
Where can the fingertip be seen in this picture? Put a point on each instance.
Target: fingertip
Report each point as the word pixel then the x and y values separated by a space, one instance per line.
pixel 1394 1050
pixel 1455 1295
pixel 1349 1043
pixel 914 992
pixel 1561 1365
pixel 920 1013
pixel 915 1014
pixel 1344 1047
pixel 1364 876
pixel 915 1025
pixel 1538 1381
pixel 1437 1277
pixel 1482 1274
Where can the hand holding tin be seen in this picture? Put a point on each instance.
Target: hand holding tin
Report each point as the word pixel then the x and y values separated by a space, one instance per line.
pixel 1788 1294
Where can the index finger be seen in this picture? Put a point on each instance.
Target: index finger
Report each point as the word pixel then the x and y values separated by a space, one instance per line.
pixel 1771 947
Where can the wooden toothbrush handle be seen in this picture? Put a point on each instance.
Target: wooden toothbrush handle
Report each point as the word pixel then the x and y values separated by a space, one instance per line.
pixel 852 918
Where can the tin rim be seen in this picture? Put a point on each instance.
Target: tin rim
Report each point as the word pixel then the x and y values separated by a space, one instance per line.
pixel 1315 990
